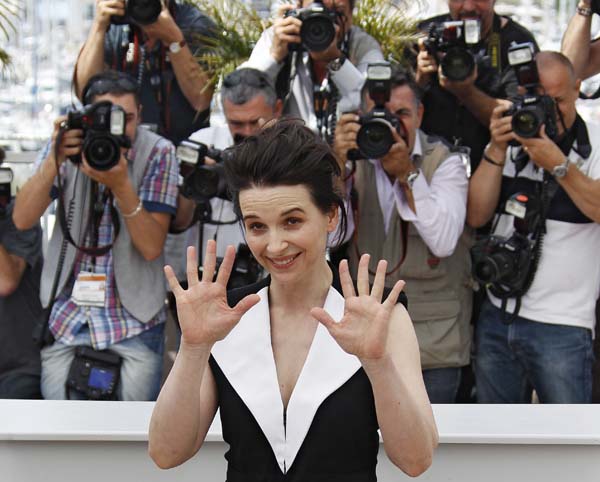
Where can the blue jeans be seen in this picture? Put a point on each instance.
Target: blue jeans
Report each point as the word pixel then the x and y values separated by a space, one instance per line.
pixel 141 368
pixel 555 360
pixel 442 384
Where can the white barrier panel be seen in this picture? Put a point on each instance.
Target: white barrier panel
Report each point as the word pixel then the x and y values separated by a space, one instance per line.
pixel 107 441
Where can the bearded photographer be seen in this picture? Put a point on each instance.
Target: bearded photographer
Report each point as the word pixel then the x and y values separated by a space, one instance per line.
pixel 461 94
pixel 541 268
pixel 154 41
pixel 409 209
pixel 315 74
pixel 248 100
pixel 103 271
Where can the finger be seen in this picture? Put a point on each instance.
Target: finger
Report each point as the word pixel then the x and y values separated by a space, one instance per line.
pixel 362 278
pixel 291 39
pixel 210 261
pixel 392 298
pixel 245 304
pixel 172 280
pixel 284 8
pixel 226 266
pixel 324 318
pixel 346 280
pixel 191 267
pixel 379 282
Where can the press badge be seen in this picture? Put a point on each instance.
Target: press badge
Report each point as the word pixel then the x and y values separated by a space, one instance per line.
pixel 89 289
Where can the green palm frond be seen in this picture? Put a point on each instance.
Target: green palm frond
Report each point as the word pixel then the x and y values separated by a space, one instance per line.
pixel 9 11
pixel 387 21
pixel 238 28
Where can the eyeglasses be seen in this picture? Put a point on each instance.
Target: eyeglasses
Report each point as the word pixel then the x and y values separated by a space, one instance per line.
pixel 106 86
pixel 250 77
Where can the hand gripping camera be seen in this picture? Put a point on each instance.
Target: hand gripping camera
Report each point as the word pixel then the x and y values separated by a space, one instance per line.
pixel 103 125
pixel 531 110
pixel 318 25
pixel 375 137
pixel 504 264
pixel 141 12
pixel 202 182
pixel 453 44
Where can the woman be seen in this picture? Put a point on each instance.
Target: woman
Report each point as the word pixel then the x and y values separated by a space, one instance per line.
pixel 303 376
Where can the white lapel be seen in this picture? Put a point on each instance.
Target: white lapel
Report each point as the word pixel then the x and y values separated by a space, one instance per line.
pixel 246 359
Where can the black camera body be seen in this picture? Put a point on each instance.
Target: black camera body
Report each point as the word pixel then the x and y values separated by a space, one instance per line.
pixel 103 125
pixel 94 373
pixel 245 271
pixel 141 12
pixel 6 178
pixel 530 110
pixel 201 181
pixel 453 45
pixel 375 137
pixel 318 26
pixel 596 6
pixel 505 264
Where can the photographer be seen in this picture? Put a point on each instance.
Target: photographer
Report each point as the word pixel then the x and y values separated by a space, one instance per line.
pixel 108 276
pixel 577 44
pixel 541 267
pixel 324 78
pixel 20 268
pixel 248 100
pixel 156 45
pixel 409 209
pixel 460 110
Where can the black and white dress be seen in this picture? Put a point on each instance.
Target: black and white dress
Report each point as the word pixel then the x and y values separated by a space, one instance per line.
pixel 328 432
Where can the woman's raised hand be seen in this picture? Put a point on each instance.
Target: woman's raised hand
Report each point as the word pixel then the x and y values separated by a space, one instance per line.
pixel 204 315
pixel 363 330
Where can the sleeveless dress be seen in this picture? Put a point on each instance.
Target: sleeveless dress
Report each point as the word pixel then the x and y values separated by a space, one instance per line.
pixel 328 432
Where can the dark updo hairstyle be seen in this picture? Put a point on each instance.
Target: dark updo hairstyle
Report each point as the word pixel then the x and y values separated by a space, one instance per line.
pixel 286 153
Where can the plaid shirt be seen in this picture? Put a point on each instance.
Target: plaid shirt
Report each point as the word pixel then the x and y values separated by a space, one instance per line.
pixel 113 323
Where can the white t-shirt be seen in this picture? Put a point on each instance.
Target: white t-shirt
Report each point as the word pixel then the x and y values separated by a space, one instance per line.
pixel 567 282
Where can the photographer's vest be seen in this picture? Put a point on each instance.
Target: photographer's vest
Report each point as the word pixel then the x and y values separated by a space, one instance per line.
pixel 140 283
pixel 438 289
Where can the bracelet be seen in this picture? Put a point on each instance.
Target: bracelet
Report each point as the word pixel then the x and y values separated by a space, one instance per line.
pixel 491 161
pixel 135 212
pixel 584 11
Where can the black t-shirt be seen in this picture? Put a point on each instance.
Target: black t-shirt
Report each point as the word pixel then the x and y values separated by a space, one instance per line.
pixel 446 117
pixel 21 310
pixel 179 120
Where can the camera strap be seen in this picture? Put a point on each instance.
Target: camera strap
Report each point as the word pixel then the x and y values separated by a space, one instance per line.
pixel 494 46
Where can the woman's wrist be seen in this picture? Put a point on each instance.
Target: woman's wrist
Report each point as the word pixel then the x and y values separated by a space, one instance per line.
pixel 197 351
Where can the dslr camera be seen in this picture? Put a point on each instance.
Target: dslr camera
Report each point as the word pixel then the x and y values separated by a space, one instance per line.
pixel 375 137
pixel 530 110
pixel 6 178
pixel 103 125
pixel 505 264
pixel 201 181
pixel 453 45
pixel 245 271
pixel 318 25
pixel 141 12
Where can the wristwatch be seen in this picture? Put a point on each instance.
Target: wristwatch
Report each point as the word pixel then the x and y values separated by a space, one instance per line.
pixel 336 64
pixel 411 178
pixel 560 171
pixel 584 9
pixel 175 47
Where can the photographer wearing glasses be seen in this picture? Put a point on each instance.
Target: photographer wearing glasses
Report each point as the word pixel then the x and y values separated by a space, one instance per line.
pixel 155 41
pixel 409 209
pixel 316 59
pixel 20 268
pixel 462 65
pixel 540 180
pixel 249 100
pixel 116 188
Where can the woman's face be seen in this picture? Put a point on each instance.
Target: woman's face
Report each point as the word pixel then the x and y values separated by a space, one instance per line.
pixel 285 230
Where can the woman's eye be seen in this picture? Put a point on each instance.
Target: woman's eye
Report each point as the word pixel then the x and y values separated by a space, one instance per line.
pixel 293 221
pixel 256 226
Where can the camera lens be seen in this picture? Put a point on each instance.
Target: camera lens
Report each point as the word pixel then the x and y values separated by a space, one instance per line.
pixel 101 151
pixel 494 268
pixel 458 64
pixel 317 32
pixel 206 182
pixel 144 12
pixel 526 122
pixel 375 138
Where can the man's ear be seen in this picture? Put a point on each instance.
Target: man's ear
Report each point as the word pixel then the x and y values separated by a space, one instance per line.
pixel 278 109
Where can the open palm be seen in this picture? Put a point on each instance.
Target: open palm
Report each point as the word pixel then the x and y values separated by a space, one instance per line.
pixel 364 328
pixel 204 315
